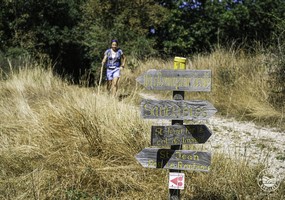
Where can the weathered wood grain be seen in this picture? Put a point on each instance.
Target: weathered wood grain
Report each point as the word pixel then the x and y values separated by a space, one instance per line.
pixel 179 134
pixel 177 80
pixel 174 159
pixel 176 109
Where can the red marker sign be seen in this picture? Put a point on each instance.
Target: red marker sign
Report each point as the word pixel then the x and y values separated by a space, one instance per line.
pixel 176 180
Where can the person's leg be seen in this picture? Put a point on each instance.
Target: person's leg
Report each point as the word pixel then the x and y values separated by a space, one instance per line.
pixel 109 86
pixel 109 78
pixel 115 85
pixel 115 82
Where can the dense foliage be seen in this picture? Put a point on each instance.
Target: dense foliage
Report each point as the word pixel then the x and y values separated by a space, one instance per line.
pixel 75 33
pixel 83 28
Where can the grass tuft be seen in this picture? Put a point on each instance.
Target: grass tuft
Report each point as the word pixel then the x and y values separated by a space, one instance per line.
pixel 60 141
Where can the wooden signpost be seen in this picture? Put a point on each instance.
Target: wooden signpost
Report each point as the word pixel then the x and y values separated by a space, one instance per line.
pixel 176 109
pixel 179 134
pixel 175 159
pixel 181 80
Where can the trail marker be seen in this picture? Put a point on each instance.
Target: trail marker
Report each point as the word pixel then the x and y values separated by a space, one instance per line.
pixel 177 109
pixel 181 80
pixel 176 181
pixel 179 134
pixel 175 159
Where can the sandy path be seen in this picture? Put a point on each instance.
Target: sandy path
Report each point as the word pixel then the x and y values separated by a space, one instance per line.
pixel 245 140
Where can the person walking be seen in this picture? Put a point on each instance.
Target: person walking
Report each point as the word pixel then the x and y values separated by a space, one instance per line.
pixel 115 60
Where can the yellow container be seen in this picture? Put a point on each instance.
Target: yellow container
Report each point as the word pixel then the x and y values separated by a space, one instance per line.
pixel 179 63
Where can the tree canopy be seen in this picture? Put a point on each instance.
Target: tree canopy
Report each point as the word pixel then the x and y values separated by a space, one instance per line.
pixel 75 33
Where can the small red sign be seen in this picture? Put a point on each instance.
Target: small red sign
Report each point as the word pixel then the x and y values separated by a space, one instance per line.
pixel 176 181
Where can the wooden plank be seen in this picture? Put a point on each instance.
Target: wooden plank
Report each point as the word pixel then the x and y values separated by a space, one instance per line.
pixel 179 134
pixel 175 159
pixel 182 80
pixel 176 109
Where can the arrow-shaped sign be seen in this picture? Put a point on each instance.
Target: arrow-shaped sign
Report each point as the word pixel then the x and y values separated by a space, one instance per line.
pixel 182 80
pixel 177 180
pixel 174 159
pixel 179 134
pixel 177 109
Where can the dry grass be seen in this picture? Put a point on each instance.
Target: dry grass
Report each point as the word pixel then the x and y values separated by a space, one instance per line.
pixel 55 136
pixel 60 141
pixel 240 85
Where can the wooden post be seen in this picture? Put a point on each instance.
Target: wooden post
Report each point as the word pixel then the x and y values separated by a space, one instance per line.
pixel 177 80
pixel 174 194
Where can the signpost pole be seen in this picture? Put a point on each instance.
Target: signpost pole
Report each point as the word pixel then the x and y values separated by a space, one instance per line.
pixel 175 159
pixel 174 194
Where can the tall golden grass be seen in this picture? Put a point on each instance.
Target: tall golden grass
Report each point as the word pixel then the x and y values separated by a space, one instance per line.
pixel 60 141
pixel 240 84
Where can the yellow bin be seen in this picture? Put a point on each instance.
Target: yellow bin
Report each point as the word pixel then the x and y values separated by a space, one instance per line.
pixel 179 63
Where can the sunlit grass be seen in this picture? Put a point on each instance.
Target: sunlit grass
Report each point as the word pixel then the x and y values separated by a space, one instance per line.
pixel 240 84
pixel 61 141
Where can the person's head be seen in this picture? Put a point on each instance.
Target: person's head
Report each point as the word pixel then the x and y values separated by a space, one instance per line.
pixel 114 44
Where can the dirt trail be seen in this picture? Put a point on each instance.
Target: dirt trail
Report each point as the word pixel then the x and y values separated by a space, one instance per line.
pixel 243 140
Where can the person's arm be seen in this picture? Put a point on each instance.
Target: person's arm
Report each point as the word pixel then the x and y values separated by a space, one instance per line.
pixel 104 60
pixel 123 61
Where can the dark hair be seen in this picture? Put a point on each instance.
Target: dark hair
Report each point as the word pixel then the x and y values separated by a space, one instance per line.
pixel 114 41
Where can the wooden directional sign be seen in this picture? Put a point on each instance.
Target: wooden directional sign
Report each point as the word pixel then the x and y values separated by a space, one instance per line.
pixel 179 134
pixel 179 80
pixel 175 159
pixel 176 109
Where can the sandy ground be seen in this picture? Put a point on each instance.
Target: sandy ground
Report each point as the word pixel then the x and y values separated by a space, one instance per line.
pixel 243 140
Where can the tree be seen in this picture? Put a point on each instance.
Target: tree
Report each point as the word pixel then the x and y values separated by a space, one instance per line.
pixel 128 21
pixel 75 33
